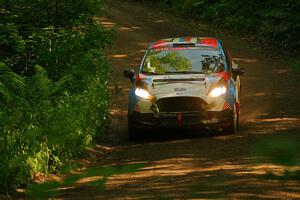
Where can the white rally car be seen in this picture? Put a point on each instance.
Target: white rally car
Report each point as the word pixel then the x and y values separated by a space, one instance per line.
pixel 183 83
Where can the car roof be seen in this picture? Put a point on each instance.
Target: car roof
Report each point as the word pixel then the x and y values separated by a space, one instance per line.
pixel 186 41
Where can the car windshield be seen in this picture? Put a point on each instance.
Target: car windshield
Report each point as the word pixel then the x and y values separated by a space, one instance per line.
pixel 183 60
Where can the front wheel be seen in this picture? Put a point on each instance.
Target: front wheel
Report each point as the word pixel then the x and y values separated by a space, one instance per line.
pixel 234 125
pixel 132 131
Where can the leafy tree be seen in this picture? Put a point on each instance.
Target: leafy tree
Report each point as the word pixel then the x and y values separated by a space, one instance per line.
pixel 172 61
pixel 53 85
pixel 275 21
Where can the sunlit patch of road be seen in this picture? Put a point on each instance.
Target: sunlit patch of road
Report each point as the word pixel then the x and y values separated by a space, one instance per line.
pixel 259 162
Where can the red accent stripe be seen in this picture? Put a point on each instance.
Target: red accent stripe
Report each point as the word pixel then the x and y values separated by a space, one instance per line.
pixel 226 106
pixel 188 39
pixel 164 44
pixel 179 119
pixel 138 78
pixel 238 107
pixel 209 42
pixel 223 75
pixel 161 41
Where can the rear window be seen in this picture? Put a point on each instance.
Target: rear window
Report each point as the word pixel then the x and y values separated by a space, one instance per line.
pixel 183 60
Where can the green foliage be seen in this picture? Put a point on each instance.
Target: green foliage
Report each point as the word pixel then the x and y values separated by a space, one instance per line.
pixel 272 20
pixel 53 85
pixel 170 62
pixel 296 66
pixel 283 150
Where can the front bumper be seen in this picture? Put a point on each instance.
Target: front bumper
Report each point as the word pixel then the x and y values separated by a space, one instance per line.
pixel 188 120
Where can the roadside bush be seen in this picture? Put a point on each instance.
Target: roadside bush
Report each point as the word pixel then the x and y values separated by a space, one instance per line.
pixel 53 85
pixel 272 20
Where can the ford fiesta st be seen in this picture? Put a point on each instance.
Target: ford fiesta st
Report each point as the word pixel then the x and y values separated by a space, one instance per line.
pixel 185 83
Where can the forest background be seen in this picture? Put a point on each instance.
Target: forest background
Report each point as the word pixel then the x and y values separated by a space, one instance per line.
pixel 54 76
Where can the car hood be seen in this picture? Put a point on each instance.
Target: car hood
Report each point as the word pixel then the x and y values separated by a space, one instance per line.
pixel 187 85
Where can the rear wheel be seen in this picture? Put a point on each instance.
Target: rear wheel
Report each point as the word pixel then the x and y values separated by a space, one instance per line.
pixel 234 125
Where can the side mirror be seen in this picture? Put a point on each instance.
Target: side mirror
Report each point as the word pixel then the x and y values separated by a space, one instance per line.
pixel 238 71
pixel 129 74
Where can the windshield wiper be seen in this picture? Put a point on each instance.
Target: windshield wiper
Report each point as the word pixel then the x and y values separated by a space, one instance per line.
pixel 185 72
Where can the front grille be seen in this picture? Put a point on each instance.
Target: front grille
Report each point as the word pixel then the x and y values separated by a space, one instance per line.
pixel 180 104
pixel 143 117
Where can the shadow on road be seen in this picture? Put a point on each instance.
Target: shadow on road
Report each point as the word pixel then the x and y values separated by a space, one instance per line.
pixel 262 161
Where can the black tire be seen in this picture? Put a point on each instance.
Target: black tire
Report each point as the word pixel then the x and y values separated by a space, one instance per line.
pixel 234 125
pixel 132 131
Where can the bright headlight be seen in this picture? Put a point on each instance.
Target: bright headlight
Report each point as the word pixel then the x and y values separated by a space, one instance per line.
pixel 143 93
pixel 218 91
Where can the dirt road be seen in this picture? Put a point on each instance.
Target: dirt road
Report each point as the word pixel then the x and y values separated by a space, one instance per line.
pixel 259 162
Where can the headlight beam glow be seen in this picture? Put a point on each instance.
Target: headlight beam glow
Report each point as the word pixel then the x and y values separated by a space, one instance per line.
pixel 142 93
pixel 218 91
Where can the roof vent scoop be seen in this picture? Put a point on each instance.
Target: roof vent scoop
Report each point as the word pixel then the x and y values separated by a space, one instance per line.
pixel 184 44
